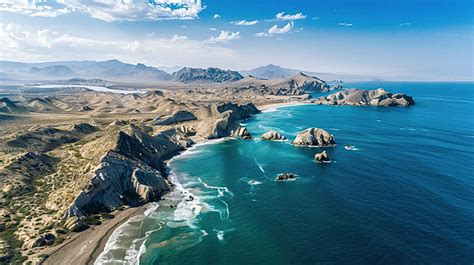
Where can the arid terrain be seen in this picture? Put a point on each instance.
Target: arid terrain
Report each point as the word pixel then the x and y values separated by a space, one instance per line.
pixel 70 158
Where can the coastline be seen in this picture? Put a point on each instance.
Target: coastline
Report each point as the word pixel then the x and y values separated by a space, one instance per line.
pixel 85 247
pixel 265 107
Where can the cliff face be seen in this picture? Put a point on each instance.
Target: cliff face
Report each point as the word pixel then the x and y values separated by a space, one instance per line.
pixel 226 119
pixel 130 173
pixel 131 170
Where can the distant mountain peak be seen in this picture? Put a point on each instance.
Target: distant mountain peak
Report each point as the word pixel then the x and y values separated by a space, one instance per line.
pixel 211 74
pixel 54 71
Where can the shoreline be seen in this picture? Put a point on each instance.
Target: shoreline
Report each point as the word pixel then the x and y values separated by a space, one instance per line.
pixel 86 246
pixel 265 107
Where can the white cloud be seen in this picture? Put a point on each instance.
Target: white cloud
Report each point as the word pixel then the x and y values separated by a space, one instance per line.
pixel 216 16
pixel 108 10
pixel 345 24
pixel 406 24
pixel 36 8
pixel 225 36
pixel 276 30
pixel 282 16
pixel 18 43
pixel 245 22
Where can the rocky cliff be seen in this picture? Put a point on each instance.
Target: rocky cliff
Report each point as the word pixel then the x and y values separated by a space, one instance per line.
pixel 359 97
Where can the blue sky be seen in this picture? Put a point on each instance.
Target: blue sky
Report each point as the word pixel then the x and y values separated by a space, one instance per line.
pixel 399 39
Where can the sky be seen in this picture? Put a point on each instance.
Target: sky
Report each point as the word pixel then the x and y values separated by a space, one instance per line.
pixel 413 39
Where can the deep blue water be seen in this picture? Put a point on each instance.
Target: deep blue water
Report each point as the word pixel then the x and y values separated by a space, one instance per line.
pixel 405 195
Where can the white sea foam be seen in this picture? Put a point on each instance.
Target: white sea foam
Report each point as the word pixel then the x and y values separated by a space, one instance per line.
pixel 152 208
pixel 113 242
pixel 270 110
pixel 259 166
pixel 192 150
pixel 189 206
pixel 220 235
pixel 254 182
pixel 220 190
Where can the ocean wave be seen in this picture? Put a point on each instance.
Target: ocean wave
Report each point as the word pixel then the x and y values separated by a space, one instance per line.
pixel 269 110
pixel 188 208
pixel 192 150
pixel 220 190
pixel 115 242
pixel 221 233
pixel 259 166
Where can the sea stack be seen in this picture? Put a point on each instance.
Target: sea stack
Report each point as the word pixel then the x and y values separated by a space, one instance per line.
pixel 242 132
pixel 272 136
pixel 314 137
pixel 285 176
pixel 322 157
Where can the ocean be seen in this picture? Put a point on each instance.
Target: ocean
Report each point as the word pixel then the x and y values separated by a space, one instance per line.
pixel 403 195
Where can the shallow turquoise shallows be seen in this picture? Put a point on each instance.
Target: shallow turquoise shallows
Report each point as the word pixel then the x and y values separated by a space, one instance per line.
pixel 403 195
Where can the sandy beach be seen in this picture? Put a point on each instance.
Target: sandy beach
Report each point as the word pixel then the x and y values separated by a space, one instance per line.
pixel 85 247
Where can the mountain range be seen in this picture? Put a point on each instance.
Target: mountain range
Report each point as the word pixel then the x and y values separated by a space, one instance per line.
pixel 115 70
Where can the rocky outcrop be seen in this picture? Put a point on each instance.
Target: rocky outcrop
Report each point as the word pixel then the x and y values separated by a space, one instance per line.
pixel 178 117
pixel 187 75
pixel 322 157
pixel 46 239
pixel 75 224
pixel 221 120
pixel 358 97
pixel 186 130
pixel 273 136
pixel 314 137
pixel 130 173
pixel 242 132
pixel 285 177
pixel 86 108
pixel 118 123
pixel 83 128
pixel 8 106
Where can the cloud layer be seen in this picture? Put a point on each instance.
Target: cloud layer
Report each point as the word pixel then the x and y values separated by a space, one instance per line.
pixel 46 45
pixel 108 10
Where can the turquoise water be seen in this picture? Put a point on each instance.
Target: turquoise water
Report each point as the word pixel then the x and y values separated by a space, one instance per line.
pixel 404 195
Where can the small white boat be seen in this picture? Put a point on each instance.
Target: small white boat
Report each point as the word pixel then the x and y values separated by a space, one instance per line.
pixel 348 147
